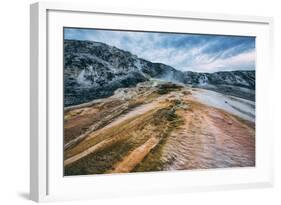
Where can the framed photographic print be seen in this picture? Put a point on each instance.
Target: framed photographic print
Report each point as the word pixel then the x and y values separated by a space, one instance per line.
pixel 147 101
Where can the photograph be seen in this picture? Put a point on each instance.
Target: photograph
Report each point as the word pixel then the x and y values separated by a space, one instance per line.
pixel 149 101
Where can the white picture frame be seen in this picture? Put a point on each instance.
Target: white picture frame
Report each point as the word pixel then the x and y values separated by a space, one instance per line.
pixel 47 182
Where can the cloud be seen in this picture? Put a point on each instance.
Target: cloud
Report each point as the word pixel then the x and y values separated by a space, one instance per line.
pixel 242 61
pixel 201 53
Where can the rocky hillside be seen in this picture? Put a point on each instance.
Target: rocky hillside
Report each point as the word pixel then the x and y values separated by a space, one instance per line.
pixel 236 83
pixel 94 70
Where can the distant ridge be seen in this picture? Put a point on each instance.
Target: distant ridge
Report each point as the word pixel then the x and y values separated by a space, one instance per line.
pixel 94 70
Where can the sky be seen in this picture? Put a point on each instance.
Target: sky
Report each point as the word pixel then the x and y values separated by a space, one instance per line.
pixel 185 52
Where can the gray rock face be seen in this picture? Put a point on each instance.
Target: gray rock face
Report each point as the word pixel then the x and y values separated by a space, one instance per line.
pixel 95 70
pixel 235 78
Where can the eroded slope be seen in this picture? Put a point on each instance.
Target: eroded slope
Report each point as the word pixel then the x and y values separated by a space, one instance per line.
pixel 159 126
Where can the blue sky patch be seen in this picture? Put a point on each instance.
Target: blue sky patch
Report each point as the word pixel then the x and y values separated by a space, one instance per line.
pixel 194 52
